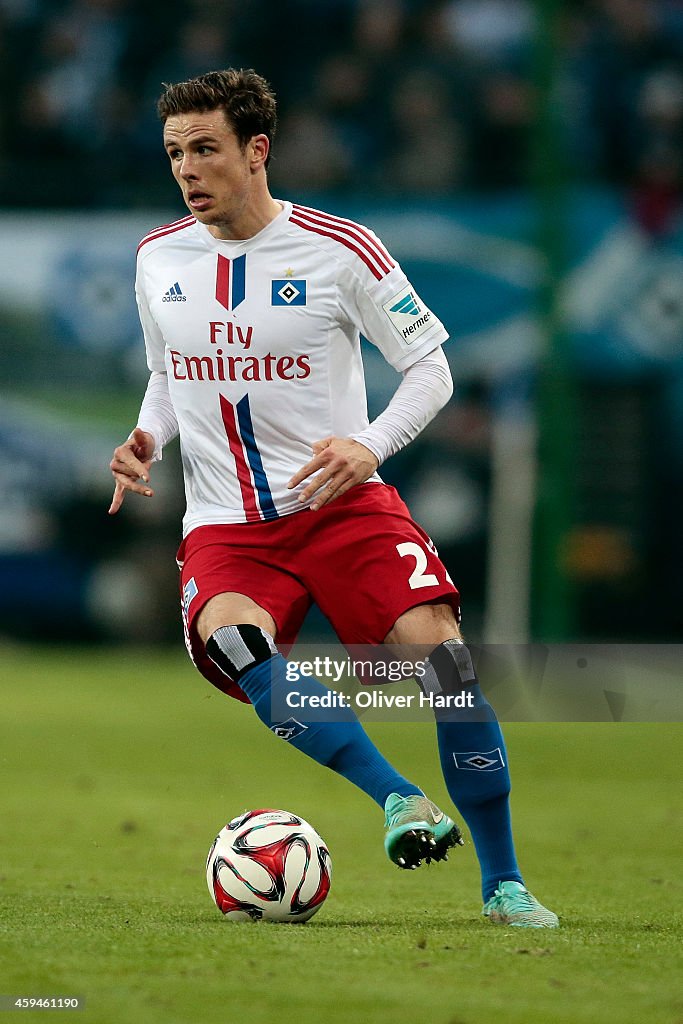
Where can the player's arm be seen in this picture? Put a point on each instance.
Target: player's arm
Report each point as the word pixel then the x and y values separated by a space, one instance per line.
pixel 385 308
pixel 426 387
pixel 157 423
pixel 132 460
pixel 341 463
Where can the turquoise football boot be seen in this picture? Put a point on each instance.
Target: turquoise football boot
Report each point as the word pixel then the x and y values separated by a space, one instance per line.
pixel 417 831
pixel 514 905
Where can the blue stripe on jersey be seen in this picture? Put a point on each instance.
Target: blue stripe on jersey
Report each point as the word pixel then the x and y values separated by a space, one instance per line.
pixel 254 456
pixel 239 267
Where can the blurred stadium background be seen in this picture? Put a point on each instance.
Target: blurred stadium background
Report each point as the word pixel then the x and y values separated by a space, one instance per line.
pixel 523 160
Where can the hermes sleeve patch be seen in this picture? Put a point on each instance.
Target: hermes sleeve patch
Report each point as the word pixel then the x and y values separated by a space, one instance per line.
pixel 408 316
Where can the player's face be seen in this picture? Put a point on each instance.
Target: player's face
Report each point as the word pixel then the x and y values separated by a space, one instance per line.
pixel 214 172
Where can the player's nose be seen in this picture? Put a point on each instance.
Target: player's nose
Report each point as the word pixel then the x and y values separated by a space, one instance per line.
pixel 187 170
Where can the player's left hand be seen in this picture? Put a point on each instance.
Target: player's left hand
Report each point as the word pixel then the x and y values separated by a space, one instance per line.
pixel 340 463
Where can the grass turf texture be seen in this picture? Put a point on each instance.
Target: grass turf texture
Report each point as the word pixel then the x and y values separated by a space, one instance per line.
pixel 119 769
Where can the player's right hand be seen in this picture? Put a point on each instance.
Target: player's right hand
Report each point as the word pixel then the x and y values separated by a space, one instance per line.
pixel 131 463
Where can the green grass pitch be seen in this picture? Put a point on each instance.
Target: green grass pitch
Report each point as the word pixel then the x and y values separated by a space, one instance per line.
pixel 119 768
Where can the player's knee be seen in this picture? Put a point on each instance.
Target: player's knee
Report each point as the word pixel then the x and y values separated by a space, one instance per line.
pixel 436 620
pixel 237 649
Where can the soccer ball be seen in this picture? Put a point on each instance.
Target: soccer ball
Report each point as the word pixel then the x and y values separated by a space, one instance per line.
pixel 268 865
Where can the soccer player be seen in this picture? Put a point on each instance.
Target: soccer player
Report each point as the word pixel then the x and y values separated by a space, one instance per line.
pixel 251 309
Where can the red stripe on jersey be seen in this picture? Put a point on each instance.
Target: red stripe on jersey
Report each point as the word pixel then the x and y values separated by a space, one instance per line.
pixel 370 243
pixel 373 243
pixel 167 229
pixel 344 241
pixel 187 219
pixel 223 282
pixel 241 465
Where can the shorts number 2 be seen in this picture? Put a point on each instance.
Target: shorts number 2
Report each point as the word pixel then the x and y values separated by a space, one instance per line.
pixel 418 578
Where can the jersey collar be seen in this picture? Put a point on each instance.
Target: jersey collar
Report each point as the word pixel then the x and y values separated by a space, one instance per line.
pixel 240 245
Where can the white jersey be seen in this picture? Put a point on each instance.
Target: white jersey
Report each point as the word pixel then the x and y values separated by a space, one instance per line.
pixel 260 342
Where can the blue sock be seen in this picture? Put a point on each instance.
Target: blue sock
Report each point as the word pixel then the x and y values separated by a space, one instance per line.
pixel 339 742
pixel 474 766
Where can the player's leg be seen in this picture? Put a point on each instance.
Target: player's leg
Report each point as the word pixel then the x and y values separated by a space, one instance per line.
pixel 355 546
pixel 471 747
pixel 239 637
pixel 374 551
pixel 473 760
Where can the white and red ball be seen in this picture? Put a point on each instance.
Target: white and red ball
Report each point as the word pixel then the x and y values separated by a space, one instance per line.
pixel 268 865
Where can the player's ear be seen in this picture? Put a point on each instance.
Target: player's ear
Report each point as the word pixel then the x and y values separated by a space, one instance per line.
pixel 259 147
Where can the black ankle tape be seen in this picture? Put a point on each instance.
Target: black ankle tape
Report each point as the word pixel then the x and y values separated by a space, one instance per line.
pixel 236 649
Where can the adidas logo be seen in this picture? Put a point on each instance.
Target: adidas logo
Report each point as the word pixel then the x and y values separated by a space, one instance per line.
pixel 406 305
pixel 174 294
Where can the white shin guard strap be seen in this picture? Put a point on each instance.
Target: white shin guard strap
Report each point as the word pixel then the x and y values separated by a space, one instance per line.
pixel 236 649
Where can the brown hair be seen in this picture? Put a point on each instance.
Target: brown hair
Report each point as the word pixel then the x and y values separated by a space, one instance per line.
pixel 245 98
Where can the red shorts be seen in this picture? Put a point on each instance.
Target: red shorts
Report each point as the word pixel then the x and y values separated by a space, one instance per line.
pixel 361 558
